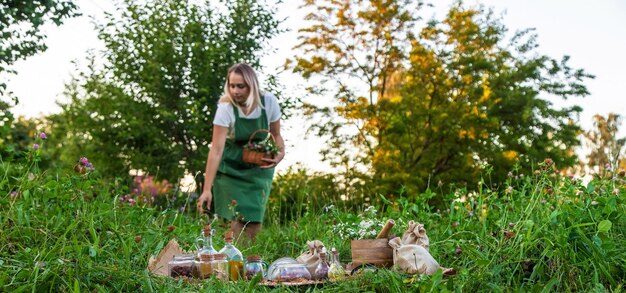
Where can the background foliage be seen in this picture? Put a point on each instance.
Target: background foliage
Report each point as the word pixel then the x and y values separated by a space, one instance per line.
pixel 151 105
pixel 440 101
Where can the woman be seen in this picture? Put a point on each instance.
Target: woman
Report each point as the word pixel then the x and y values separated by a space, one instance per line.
pixel 241 190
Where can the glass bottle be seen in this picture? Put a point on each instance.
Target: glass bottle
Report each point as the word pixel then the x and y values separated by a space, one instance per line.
pixel 219 267
pixel 335 271
pixel 204 243
pixel 234 257
pixel 321 271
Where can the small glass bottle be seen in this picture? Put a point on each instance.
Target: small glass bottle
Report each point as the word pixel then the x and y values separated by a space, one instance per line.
pixel 321 271
pixel 335 271
pixel 234 256
pixel 202 267
pixel 219 267
pixel 204 243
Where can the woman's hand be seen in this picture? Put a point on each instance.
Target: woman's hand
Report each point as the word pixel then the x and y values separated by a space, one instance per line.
pixel 207 197
pixel 271 163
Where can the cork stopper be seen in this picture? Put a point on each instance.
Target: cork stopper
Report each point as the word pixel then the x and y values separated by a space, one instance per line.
pixel 219 256
pixel 206 231
pixel 207 257
pixel 229 236
pixel 253 258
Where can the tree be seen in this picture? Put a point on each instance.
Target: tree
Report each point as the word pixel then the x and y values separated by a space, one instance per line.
pixel 605 147
pixel 20 27
pixel 447 100
pixel 151 104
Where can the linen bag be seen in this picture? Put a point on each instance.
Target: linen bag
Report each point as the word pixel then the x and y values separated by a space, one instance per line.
pixel 412 258
pixel 416 234
pixel 312 257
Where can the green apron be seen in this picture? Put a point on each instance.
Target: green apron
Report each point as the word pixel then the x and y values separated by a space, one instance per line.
pixel 245 183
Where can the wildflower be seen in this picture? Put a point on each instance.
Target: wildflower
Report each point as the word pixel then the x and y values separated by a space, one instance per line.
pixel 509 190
pixel 594 203
pixel 548 161
pixel 43 135
pixel 608 167
pixel 14 194
pixel 458 250
pixel 182 209
pixel 83 161
pixel 579 192
pixel 40 264
pixel 510 174
pixel 35 146
pixel 615 191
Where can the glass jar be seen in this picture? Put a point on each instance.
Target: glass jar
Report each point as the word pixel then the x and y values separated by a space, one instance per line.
pixel 219 266
pixel 293 272
pixel 180 265
pixel 202 267
pixel 254 265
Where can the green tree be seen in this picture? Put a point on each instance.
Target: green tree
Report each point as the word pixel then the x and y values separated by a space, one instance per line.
pixel 605 147
pixel 444 101
pixel 150 105
pixel 20 28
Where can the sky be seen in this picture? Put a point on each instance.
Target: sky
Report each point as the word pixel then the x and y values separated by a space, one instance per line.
pixel 593 33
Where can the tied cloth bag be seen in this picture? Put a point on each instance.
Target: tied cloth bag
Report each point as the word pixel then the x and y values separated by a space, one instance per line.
pixel 416 234
pixel 412 258
pixel 312 257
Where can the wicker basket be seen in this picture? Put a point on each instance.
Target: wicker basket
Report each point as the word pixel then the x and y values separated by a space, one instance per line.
pixel 256 157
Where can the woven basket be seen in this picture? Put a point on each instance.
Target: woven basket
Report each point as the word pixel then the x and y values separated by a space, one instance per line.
pixel 255 157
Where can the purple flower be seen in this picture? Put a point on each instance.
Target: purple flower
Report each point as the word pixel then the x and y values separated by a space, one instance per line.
pixel 35 146
pixel 40 264
pixel 14 194
pixel 83 161
pixel 182 209
pixel 43 135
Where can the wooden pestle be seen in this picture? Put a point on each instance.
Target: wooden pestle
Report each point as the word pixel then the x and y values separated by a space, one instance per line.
pixel 384 233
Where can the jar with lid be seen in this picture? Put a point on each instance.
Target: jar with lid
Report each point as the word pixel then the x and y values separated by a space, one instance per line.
pixel 202 267
pixel 254 265
pixel 181 265
pixel 219 266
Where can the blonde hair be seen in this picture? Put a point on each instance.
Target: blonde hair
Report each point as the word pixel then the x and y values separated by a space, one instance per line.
pixel 251 80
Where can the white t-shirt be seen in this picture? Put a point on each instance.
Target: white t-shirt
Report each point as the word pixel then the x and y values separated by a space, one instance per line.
pixel 224 115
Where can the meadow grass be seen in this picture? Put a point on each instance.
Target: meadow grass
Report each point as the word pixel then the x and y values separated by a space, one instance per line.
pixel 66 232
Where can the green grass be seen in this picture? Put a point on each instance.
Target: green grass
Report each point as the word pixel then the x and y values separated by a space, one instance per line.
pixel 66 232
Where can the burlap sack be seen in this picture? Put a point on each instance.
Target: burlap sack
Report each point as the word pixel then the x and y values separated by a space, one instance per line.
pixel 311 258
pixel 412 259
pixel 416 234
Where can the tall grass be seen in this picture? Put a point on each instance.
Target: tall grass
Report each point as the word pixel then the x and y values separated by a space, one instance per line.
pixel 541 232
